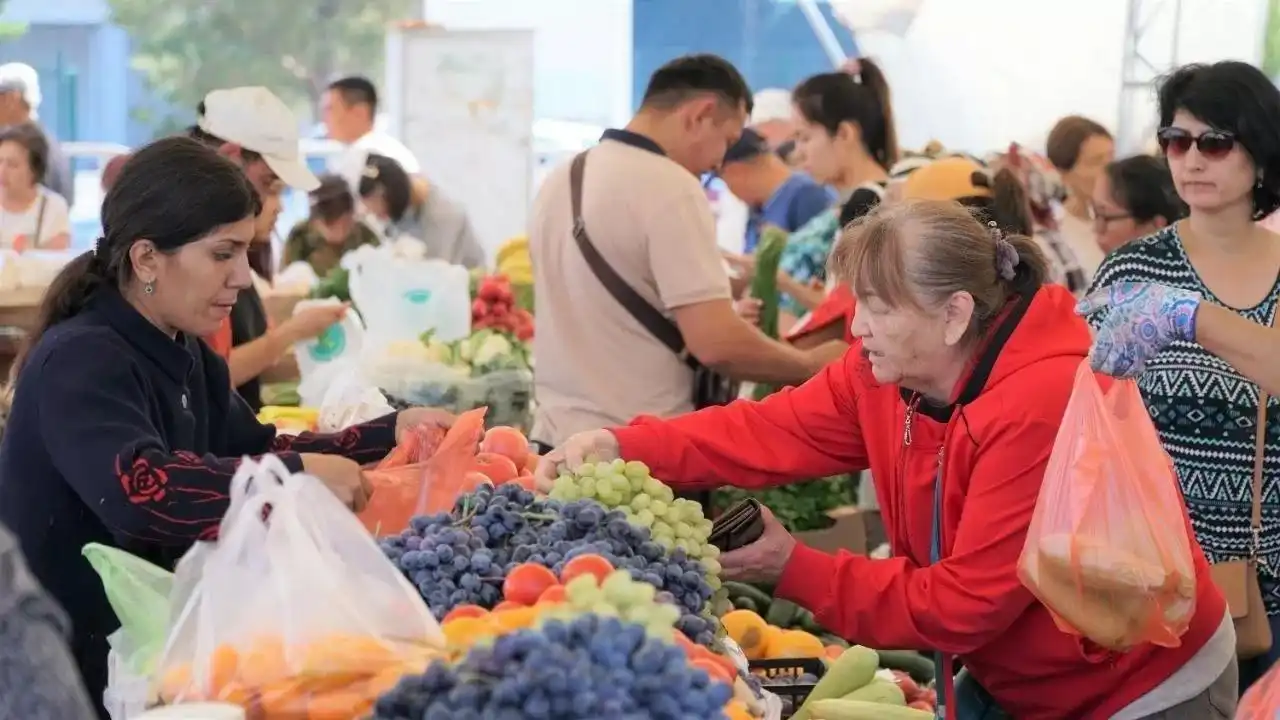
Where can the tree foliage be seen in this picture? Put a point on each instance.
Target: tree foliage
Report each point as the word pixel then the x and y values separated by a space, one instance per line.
pixel 188 47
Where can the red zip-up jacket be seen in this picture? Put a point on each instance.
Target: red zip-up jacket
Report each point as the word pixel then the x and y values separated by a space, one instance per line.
pixel 993 451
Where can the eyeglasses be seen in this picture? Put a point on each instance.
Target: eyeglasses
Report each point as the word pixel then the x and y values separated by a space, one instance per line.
pixel 1213 144
pixel 1101 220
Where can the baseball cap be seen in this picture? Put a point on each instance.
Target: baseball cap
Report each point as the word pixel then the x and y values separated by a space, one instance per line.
pixel 21 78
pixel 255 119
pixel 749 145
pixel 770 104
pixel 948 178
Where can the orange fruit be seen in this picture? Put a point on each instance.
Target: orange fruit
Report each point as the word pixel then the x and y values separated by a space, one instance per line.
pixel 264 661
pixel 465 611
pixel 224 663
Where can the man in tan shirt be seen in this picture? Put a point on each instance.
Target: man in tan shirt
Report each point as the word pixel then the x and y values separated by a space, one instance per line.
pixel 646 212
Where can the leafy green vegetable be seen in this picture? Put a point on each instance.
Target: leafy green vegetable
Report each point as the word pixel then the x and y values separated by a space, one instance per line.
pixel 764 286
pixel 800 506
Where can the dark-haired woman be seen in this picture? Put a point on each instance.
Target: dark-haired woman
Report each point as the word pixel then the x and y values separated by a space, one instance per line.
pixel 332 230
pixel 1220 131
pixel 1079 149
pixel 398 208
pixel 124 427
pixel 846 137
pixel 1132 199
pixel 31 215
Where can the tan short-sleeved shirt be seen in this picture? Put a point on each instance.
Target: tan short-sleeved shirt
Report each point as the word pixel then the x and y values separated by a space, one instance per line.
pixel 650 219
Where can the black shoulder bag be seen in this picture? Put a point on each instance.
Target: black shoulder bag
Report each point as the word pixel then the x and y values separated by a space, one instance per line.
pixel 710 388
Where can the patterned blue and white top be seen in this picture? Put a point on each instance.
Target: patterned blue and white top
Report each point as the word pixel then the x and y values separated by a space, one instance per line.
pixel 1206 413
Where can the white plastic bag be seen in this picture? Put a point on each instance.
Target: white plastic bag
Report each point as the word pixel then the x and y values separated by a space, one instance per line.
pixel 296 609
pixel 341 342
pixel 351 400
pixel 401 298
pixel 127 693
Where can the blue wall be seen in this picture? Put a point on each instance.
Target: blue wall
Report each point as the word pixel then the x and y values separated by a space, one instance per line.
pixel 768 40
pixel 89 88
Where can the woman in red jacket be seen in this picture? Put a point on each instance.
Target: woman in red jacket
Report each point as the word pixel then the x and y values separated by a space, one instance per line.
pixel 951 395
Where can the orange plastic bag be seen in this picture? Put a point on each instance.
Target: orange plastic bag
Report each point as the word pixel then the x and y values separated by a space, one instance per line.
pixel 1108 550
pixel 424 474
pixel 448 472
pixel 1262 701
pixel 397 481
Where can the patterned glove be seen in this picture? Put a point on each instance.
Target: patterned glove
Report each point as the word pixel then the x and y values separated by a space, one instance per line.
pixel 1141 320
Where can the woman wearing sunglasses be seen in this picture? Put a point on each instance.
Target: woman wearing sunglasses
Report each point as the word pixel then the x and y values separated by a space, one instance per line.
pixel 1155 298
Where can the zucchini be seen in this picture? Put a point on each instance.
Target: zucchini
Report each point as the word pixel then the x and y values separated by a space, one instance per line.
pixel 919 667
pixel 782 613
pixel 745 603
pixel 758 596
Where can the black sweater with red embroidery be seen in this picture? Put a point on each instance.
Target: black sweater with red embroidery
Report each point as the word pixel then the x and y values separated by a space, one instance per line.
pixel 121 435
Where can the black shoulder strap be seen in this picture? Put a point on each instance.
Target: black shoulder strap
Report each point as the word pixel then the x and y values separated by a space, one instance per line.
pixel 647 315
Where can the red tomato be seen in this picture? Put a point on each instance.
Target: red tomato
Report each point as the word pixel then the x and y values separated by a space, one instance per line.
pixel 594 565
pixel 527 582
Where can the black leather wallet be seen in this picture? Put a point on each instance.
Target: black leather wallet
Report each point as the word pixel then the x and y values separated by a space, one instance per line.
pixel 739 526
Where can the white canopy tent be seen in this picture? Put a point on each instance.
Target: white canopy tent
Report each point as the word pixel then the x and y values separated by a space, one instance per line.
pixel 978 74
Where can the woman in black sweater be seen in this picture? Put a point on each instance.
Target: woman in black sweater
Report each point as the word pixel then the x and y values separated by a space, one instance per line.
pixel 124 428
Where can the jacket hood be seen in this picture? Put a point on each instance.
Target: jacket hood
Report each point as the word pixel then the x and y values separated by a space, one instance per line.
pixel 1049 329
pixel 1027 333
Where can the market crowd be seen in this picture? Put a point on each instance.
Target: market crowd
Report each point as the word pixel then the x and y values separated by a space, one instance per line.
pixel 935 308
pixel 928 317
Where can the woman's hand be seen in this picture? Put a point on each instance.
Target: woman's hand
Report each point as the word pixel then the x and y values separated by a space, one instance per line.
pixel 313 321
pixel 1143 319
pixel 343 477
pixel 599 445
pixel 749 309
pixel 764 559
pixel 406 420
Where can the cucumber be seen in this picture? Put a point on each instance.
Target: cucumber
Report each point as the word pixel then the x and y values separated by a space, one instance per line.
pixel 919 667
pixel 758 596
pixel 782 613
pixel 833 709
pixel 746 603
pixel 805 621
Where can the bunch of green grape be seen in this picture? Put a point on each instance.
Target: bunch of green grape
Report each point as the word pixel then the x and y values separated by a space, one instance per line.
pixel 627 486
pixel 622 597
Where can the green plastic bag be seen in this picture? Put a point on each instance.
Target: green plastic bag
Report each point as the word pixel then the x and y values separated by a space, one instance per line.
pixel 139 593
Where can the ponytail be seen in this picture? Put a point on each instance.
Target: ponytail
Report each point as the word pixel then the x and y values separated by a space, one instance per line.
pixel 1032 263
pixel 858 95
pixel 873 79
pixel 66 297
pixel 1010 207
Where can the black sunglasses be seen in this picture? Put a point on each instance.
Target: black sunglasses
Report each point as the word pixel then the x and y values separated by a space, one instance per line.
pixel 1213 144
